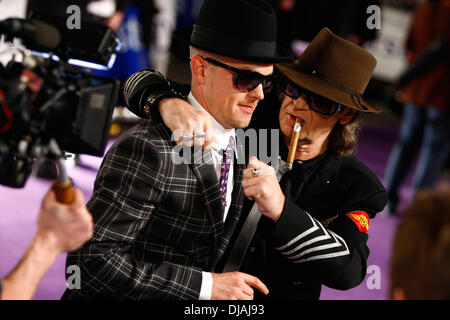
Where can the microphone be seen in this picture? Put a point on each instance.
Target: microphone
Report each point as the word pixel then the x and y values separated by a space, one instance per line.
pixel 33 33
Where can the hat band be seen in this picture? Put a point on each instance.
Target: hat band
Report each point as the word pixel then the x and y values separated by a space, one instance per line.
pixel 204 37
pixel 354 95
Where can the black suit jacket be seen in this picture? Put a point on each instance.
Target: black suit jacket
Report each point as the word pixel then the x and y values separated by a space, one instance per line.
pixel 157 224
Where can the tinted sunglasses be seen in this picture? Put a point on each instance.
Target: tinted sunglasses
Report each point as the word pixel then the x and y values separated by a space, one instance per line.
pixel 245 80
pixel 318 103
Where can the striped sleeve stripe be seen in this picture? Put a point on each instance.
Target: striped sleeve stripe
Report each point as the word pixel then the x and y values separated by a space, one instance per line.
pixel 132 82
pixel 134 79
pixel 324 244
pixel 299 237
pixel 328 255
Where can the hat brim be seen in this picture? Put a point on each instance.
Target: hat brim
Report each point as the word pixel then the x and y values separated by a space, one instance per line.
pixel 324 89
pixel 182 36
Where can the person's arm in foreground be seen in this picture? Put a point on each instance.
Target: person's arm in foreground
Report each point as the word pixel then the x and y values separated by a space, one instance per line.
pixel 60 228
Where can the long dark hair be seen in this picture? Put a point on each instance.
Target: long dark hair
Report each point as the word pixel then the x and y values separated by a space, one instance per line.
pixel 344 138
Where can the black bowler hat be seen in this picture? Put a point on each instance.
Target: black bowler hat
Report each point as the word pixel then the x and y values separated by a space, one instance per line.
pixel 240 29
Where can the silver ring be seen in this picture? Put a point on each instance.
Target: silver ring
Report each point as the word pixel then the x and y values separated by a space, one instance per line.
pixel 188 138
pixel 199 135
pixel 255 172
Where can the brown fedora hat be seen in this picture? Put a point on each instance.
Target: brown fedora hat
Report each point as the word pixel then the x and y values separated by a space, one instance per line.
pixel 334 68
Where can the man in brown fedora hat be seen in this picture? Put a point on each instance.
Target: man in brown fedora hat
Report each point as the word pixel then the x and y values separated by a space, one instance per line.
pixel 316 219
pixel 160 226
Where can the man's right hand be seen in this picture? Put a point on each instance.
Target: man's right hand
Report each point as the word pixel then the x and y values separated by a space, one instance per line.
pixel 184 120
pixel 235 286
pixel 64 227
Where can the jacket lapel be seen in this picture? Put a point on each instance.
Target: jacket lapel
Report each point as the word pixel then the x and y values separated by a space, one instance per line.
pixel 203 167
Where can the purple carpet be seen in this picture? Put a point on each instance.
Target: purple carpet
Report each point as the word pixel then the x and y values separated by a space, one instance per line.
pixel 19 209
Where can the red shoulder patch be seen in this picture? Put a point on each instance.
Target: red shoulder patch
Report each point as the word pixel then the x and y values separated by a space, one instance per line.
pixel 361 219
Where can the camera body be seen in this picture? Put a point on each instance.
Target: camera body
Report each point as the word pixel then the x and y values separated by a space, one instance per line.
pixel 45 100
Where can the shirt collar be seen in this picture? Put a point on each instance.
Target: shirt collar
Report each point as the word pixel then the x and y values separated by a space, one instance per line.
pixel 221 134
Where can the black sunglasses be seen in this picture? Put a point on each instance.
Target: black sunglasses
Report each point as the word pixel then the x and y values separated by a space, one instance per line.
pixel 245 80
pixel 318 103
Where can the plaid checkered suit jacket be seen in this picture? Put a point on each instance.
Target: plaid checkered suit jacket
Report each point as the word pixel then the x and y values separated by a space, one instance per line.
pixel 157 224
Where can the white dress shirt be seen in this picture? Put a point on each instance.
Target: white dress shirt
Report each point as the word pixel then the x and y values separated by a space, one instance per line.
pixel 223 137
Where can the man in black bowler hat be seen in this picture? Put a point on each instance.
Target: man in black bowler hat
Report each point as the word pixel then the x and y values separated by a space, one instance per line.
pixel 162 226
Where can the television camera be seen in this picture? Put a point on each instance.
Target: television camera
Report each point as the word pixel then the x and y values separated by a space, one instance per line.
pixel 50 100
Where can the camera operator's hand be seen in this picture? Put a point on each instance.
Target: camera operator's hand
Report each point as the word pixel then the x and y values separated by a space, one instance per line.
pixel 60 228
pixel 65 227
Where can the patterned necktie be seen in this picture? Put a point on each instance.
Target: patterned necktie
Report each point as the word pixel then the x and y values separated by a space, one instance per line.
pixel 227 158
